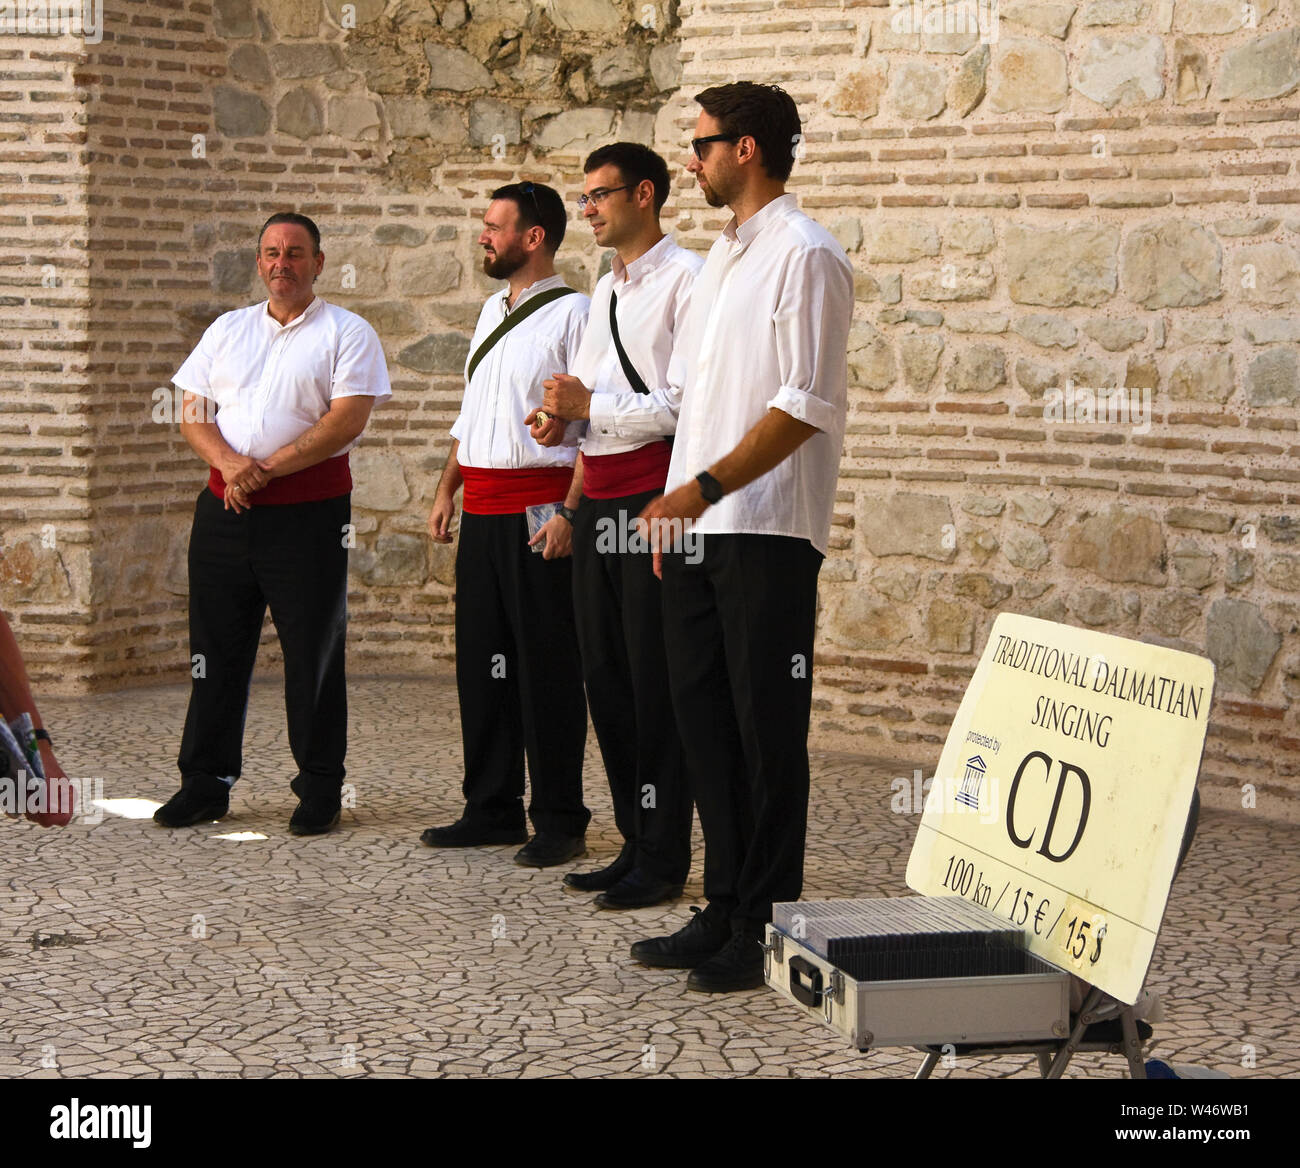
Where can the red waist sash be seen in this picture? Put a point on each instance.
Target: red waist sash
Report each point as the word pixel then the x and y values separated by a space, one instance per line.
pixel 492 491
pixel 325 480
pixel 610 476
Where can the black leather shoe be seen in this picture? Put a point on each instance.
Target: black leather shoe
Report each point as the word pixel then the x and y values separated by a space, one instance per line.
pixel 693 944
pixel 314 816
pixel 602 878
pixel 636 890
pixel 545 850
pixel 464 834
pixel 196 803
pixel 738 965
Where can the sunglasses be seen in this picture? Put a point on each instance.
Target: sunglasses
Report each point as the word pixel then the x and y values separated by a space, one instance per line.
pixel 698 144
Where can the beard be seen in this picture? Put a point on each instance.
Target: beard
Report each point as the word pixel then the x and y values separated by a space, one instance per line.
pixel 504 264
pixel 716 193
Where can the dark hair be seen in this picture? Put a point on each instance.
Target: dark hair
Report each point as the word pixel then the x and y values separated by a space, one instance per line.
pixel 291 217
pixel 636 163
pixel 539 206
pixel 764 112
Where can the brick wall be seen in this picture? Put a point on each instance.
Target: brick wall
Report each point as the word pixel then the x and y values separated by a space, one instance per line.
pixel 45 403
pixel 1103 196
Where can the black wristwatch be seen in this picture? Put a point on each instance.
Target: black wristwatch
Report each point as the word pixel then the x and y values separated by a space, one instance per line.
pixel 710 488
pixel 569 513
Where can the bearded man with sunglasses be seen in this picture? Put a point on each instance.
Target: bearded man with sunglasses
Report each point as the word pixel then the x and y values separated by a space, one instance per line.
pixel 763 354
pixel 518 676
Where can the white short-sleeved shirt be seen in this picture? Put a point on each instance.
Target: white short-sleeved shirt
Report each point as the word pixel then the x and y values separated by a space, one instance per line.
pixel 507 383
pixel 767 328
pixel 272 382
pixel 654 292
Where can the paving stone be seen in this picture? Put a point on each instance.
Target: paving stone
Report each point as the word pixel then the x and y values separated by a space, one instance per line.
pixel 365 938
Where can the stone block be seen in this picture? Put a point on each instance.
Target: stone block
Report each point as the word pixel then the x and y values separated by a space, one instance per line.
pixel 379 482
pixel 906 524
pixel 1272 378
pixel 239 114
pixel 1241 643
pixel 1171 263
pixel 1117 544
pixel 1026 76
pixel 1263 68
pixel 949 627
pixel 443 353
pixel 1202 377
pixel 1127 70
pixel 1060 266
pixel 299 114
pixel 976 369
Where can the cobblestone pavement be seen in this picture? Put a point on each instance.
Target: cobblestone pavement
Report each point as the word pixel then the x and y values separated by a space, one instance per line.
pixel 236 949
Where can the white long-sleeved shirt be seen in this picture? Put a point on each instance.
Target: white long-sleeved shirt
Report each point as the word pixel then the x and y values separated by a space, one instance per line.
pixel 767 328
pixel 654 292
pixel 507 384
pixel 273 381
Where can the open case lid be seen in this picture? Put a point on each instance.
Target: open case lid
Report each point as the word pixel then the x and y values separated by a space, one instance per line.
pixel 1063 791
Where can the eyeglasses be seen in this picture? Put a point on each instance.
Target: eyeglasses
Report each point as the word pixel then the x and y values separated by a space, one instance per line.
pixel 598 196
pixel 698 144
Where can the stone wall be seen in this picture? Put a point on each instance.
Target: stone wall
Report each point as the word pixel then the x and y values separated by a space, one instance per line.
pixel 1103 196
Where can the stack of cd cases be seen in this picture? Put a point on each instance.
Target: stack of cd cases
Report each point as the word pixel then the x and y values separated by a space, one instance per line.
pixel 907 937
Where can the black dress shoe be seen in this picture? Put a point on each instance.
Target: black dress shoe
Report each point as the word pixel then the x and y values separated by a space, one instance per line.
pixel 464 834
pixel 738 965
pixel 602 878
pixel 315 816
pixel 195 803
pixel 545 850
pixel 636 890
pixel 693 944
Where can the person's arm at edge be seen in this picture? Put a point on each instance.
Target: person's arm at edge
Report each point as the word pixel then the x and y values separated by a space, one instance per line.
pixel 444 498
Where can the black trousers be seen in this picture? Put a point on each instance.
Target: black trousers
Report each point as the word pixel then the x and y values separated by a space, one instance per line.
pixel 293 558
pixel 738 629
pixel 618 605
pixel 519 679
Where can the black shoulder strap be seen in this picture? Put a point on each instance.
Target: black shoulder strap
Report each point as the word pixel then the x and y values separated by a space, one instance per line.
pixel 518 317
pixel 629 370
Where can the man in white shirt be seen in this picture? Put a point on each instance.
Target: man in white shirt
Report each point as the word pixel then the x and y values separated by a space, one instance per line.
pixel 754 464
pixel 631 412
pixel 275 395
pixel 517 670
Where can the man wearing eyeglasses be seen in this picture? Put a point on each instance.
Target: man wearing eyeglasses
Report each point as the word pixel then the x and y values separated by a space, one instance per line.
pixel 630 411
pixel 518 675
pixel 754 464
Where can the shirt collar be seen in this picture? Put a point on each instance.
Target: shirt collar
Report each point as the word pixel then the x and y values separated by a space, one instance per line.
pixel 556 281
pixel 309 311
pixel 742 236
pixel 643 264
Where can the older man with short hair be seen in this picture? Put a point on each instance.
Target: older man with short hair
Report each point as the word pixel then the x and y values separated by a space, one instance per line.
pixel 288 385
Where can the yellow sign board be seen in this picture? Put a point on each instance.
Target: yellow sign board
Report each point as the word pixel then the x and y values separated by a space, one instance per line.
pixel 1063 790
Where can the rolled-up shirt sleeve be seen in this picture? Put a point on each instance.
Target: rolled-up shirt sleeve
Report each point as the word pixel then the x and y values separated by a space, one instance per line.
pixel 360 369
pixel 811 337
